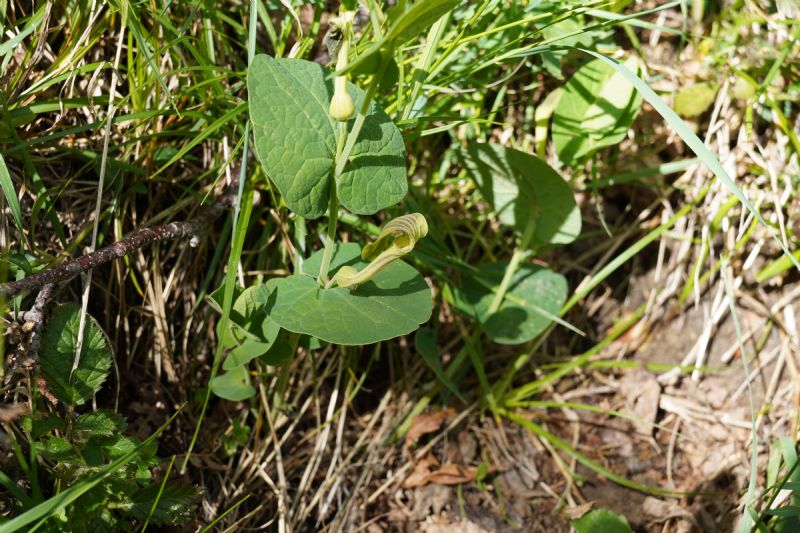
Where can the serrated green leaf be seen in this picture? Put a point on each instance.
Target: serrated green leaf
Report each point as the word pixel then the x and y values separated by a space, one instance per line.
pixel 40 427
pixel 58 352
pixel 534 293
pixel 295 140
pixel 172 505
pixel 601 521
pixel 596 110
pixel 92 453
pixel 395 302
pixel 233 385
pixel 120 447
pixel 521 187
pixel 102 423
pixel 55 449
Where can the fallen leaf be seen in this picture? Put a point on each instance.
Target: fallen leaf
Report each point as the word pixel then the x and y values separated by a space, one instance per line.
pixel 422 469
pixel 426 423
pixel 574 513
pixel 451 474
pixel 12 411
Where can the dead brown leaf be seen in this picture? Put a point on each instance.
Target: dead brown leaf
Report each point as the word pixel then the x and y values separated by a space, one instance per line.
pixel 451 474
pixel 426 423
pixel 422 469
pixel 10 412
pixel 574 513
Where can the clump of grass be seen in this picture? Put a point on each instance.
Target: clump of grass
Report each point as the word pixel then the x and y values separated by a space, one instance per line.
pixel 117 118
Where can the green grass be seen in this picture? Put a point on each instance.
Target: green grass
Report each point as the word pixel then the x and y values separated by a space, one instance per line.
pixel 177 129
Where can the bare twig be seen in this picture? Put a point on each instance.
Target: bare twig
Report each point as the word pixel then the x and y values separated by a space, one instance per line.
pixel 138 239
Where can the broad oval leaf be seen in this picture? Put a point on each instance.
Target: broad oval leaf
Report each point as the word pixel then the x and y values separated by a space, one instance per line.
pixel 521 187
pixel 233 385
pixel 295 140
pixel 393 303
pixel 59 343
pixel 596 110
pixel 534 293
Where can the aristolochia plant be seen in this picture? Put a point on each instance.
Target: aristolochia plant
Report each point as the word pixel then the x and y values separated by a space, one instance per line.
pixel 326 145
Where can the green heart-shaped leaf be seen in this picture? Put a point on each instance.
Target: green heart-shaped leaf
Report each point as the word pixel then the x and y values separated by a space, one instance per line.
pixel 295 140
pixel 521 187
pixel 395 302
pixel 280 352
pixel 233 385
pixel 596 110
pixel 534 293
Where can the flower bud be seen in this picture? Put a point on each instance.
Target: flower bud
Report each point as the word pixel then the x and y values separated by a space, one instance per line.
pixel 342 106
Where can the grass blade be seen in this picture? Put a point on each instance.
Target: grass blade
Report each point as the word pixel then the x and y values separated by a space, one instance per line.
pixel 691 140
pixel 11 195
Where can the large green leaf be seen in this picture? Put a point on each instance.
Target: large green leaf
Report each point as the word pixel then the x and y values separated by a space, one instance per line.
pixel 521 187
pixel 253 332
pixel 59 344
pixel 596 110
pixel 250 332
pixel 295 140
pixel 395 302
pixel 534 297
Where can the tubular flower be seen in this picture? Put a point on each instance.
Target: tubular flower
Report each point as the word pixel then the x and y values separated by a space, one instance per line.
pixel 342 106
pixel 397 238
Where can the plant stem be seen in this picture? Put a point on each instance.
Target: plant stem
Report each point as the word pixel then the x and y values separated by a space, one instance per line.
pixel 359 122
pixel 343 150
pixel 330 239
pixel 513 265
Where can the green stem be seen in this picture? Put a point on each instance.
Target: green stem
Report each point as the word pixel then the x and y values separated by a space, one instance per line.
pixel 352 137
pixel 343 150
pixel 333 215
pixel 513 265
pixel 333 211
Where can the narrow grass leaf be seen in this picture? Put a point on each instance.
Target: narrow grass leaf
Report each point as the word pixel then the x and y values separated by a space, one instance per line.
pixel 691 140
pixel 11 195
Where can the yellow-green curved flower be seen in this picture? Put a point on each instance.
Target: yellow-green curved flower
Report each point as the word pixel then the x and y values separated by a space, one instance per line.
pixel 397 238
